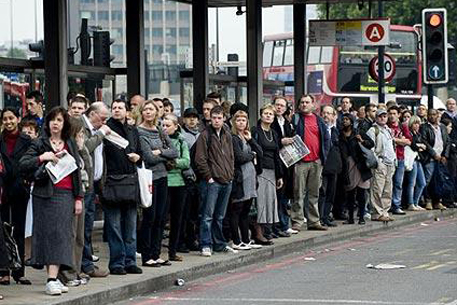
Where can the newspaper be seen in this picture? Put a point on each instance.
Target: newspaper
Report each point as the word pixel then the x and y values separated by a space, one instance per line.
pixel 117 140
pixel 291 154
pixel 63 168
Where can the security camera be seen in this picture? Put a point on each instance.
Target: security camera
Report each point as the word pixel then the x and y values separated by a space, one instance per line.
pixel 239 10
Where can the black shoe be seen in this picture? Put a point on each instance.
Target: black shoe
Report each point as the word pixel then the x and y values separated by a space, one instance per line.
pixel 361 221
pixel 22 281
pixel 183 249
pixel 330 224
pixel 118 271
pixel 133 269
pixel 349 222
pixel 283 234
pixel 398 212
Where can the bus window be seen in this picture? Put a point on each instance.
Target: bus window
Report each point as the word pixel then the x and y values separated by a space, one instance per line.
pixel 278 54
pixel 314 54
pixel 267 53
pixel 289 56
pixel 327 55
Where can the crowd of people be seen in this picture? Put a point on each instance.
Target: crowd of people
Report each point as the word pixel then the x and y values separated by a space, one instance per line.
pixel 218 185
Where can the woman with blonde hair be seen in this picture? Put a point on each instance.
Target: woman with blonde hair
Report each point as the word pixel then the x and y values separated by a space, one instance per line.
pixel 157 152
pixel 270 178
pixel 244 187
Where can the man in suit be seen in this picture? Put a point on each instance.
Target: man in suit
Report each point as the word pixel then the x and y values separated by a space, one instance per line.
pixel 94 120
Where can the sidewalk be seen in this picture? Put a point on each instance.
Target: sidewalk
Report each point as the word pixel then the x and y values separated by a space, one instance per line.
pixel 116 288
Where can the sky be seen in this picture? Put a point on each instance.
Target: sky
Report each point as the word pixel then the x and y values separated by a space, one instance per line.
pixel 232 28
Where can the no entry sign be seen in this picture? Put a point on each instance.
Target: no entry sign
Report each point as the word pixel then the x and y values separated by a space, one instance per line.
pixel 389 68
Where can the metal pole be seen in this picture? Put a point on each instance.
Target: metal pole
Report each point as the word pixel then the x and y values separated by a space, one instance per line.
pixel 327 9
pixel 217 34
pixel 430 96
pixel 381 51
pixel 11 28
pixel 36 21
pixel 299 11
pixel 369 9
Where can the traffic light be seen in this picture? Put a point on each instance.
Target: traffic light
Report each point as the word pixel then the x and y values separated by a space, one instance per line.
pixel 102 44
pixel 434 46
pixel 37 47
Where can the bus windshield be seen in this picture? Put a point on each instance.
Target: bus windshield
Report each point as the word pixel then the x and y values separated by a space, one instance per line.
pixel 353 65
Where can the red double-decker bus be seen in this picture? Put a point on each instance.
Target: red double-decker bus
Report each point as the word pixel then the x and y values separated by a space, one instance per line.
pixel 334 72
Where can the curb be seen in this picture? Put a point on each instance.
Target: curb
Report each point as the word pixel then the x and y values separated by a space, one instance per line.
pixel 222 264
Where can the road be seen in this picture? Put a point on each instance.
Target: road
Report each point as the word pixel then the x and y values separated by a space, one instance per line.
pixel 338 274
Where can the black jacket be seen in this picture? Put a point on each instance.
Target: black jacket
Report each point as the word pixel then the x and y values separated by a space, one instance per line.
pixel 29 163
pixel 242 157
pixel 350 147
pixel 428 136
pixel 14 185
pixel 334 164
pixel 364 126
pixel 288 173
pixel 116 159
pixel 270 158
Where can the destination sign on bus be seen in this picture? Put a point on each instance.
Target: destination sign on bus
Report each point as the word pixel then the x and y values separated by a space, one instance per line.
pixel 373 32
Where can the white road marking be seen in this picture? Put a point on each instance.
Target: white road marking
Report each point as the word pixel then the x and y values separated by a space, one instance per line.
pixel 296 301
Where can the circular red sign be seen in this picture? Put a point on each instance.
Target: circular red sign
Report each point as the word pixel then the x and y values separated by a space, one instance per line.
pixel 375 32
pixel 390 68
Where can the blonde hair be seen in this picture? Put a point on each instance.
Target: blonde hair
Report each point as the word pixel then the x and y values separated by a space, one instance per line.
pixel 269 107
pixel 156 118
pixel 414 120
pixel 172 118
pixel 239 114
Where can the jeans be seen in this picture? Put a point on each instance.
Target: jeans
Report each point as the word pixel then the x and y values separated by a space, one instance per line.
pixel 415 183
pixel 212 214
pixel 89 208
pixel 150 234
pixel 120 225
pixel 397 185
pixel 429 170
pixel 283 206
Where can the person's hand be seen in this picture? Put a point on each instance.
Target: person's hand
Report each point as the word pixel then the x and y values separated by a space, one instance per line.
pixel 105 129
pixel 133 157
pixel 279 183
pixel 49 156
pixel 211 180
pixel 78 206
pixel 247 135
pixel 359 138
pixel 156 152
pixel 443 160
pixel 287 141
pixel 437 158
pixel 80 140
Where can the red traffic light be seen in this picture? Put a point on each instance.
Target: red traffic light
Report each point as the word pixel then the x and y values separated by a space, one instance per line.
pixel 435 20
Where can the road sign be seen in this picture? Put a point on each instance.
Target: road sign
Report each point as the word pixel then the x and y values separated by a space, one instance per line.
pixel 389 68
pixel 374 32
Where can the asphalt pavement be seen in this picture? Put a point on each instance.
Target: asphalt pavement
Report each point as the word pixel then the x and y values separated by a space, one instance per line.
pixel 338 274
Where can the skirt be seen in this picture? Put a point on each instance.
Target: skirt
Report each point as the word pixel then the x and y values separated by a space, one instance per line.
pixel 267 207
pixel 52 229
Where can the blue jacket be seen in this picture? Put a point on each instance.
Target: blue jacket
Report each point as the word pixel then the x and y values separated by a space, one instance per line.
pixel 324 136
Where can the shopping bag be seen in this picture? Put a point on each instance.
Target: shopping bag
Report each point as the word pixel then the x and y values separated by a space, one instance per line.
pixel 146 189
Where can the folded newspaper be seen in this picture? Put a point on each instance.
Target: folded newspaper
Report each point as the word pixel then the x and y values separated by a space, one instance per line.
pixel 63 168
pixel 291 154
pixel 117 140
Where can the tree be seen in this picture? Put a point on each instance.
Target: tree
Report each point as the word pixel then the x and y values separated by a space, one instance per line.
pixel 405 12
pixel 16 53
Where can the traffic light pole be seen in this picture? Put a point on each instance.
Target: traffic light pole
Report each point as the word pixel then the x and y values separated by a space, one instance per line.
pixel 430 96
pixel 381 51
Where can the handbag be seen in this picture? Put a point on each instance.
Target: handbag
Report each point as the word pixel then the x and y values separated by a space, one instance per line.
pixel 146 186
pixel 370 158
pixel 121 189
pixel 410 157
pixel 12 252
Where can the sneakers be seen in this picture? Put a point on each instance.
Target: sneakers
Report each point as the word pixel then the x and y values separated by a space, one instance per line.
pixel 241 246
pixel 95 258
pixel 439 206
pixel 228 249
pixel 291 231
pixel 253 245
pixel 206 252
pixel 63 288
pixel 74 283
pixel 53 288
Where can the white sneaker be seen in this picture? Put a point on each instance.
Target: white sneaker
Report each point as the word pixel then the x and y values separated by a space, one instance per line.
pixel 63 288
pixel 254 245
pixel 95 258
pixel 206 252
pixel 291 231
pixel 53 288
pixel 241 246
pixel 73 283
pixel 228 249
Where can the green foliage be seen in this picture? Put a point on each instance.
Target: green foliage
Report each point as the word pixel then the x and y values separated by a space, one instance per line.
pixel 16 53
pixel 404 12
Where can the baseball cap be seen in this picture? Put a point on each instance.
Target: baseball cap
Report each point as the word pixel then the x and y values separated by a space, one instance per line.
pixel 380 112
pixel 190 112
